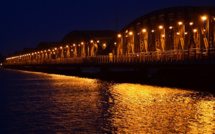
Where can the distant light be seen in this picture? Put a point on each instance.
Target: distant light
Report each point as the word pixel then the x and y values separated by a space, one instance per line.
pixel 67 46
pixel 204 18
pixel 153 31
pixel 160 27
pixel 170 27
pixel 74 45
pixel 91 41
pixel 115 43
pixel 194 30
pixel 0 64
pixel 204 30
pixel 191 23
pixel 130 33
pixel 144 30
pixel 71 49
pixel 79 45
pixel 185 33
pixel 82 43
pixel 61 47
pixel 163 35
pixel 119 35
pixel 98 41
pixel 49 50
pixel 55 48
pixel 180 23
pixel 126 36
pixel 104 45
pixel 177 33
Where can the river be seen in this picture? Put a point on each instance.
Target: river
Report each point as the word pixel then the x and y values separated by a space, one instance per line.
pixel 33 102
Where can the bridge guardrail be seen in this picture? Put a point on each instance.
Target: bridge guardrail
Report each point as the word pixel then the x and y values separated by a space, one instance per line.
pixel 141 57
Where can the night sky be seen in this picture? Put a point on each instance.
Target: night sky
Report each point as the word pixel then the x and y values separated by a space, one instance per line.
pixel 25 23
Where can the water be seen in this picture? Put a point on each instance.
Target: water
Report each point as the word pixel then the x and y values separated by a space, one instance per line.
pixel 46 103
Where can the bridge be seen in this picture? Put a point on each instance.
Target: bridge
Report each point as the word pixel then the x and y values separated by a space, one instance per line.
pixel 178 34
pixel 177 42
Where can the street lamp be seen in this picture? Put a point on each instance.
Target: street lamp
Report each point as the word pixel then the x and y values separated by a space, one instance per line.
pixel 180 23
pixel 194 30
pixel 130 33
pixel 160 27
pixel 204 18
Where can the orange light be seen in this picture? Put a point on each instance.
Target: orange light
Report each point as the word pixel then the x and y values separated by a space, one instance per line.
pixel 204 18
pixel 61 47
pixel 153 31
pixel 74 45
pixel 67 46
pixel 91 41
pixel 163 35
pixel 185 33
pixel 170 27
pixel 194 30
pixel 130 33
pixel 82 43
pixel 144 30
pixel 180 23
pixel 160 27
pixel 191 23
pixel 119 35
pixel 177 33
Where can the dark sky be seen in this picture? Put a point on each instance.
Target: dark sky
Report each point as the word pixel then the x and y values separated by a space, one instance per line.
pixel 25 23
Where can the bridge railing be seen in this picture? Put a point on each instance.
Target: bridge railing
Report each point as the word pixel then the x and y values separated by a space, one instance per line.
pixel 141 57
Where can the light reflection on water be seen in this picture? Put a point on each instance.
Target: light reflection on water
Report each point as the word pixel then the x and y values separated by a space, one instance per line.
pixel 48 103
pixel 149 109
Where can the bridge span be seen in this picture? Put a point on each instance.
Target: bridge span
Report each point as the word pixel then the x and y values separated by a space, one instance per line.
pixel 176 42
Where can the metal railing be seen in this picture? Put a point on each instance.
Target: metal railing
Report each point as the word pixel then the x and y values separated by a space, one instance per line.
pixel 141 57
